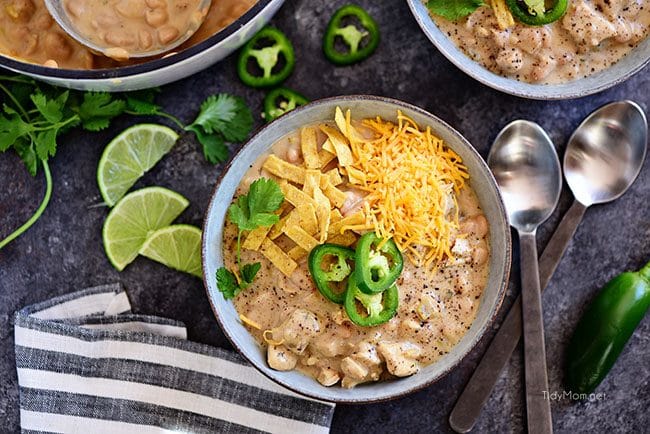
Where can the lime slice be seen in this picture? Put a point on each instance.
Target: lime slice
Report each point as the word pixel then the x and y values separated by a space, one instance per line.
pixel 176 246
pixel 129 155
pixel 134 218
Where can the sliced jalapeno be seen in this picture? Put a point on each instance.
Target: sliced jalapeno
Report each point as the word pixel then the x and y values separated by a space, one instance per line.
pixel 329 265
pixel 280 101
pixel 360 43
pixel 264 50
pixel 376 309
pixel 536 13
pixel 377 268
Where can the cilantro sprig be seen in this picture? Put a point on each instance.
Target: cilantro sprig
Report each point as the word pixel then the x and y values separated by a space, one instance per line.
pixel 250 211
pixel 453 10
pixel 34 115
pixel 223 118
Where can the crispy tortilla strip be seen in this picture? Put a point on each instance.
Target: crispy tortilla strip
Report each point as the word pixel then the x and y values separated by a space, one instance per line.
pixel 299 236
pixel 502 13
pixel 329 147
pixel 340 122
pixel 325 157
pixel 308 220
pixel 276 229
pixel 297 253
pixel 296 197
pixel 323 209
pixel 340 143
pixel 277 257
pixel 309 146
pixel 255 237
pixel 345 239
pixel 284 170
pixel 333 176
pixel 344 123
pixel 312 181
pixel 355 176
pixel 357 218
pixel 336 196
pixel 335 215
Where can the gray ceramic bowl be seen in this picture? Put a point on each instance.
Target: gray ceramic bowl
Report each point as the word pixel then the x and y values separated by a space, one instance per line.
pixel 362 107
pixel 159 71
pixel 615 74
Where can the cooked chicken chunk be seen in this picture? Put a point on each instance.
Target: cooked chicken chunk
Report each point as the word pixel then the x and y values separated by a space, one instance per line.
pixel 586 25
pixel 328 377
pixel 280 358
pixel 298 330
pixel 400 357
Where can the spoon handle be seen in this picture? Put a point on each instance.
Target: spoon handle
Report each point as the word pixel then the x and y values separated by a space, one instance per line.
pixel 477 391
pixel 538 404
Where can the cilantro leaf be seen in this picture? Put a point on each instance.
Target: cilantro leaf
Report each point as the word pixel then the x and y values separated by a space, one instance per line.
pixel 252 210
pixel 240 126
pixel 25 150
pixel 264 196
pixel 50 109
pixel 11 128
pixel 248 273
pixel 453 10
pixel 227 283
pixel 97 110
pixel 239 214
pixel 225 114
pixel 217 111
pixel 256 209
pixel 222 118
pixel 45 142
pixel 142 107
pixel 214 147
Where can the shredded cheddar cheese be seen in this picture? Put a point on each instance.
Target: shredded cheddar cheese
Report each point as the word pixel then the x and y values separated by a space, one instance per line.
pixel 248 321
pixel 410 178
pixel 269 340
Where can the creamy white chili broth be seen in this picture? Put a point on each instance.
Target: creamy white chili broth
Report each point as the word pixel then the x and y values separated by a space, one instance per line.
pixel 302 330
pixel 28 33
pixel 123 27
pixel 592 35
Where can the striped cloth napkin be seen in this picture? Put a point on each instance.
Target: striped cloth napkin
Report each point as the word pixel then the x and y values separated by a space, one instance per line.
pixel 86 364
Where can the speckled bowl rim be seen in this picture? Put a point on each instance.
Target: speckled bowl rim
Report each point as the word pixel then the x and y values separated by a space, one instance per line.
pixel 342 100
pixel 578 88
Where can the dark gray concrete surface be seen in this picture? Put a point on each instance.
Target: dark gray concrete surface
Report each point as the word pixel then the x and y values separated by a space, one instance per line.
pixel 63 251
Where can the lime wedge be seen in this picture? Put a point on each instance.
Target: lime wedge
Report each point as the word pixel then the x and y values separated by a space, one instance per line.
pixel 176 246
pixel 129 155
pixel 134 218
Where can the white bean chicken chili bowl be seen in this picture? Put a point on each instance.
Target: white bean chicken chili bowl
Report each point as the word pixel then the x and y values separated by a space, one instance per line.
pixel 615 74
pixel 362 107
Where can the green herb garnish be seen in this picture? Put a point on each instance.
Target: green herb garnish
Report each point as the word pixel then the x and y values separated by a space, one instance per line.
pixel 453 10
pixel 33 115
pixel 223 118
pixel 250 211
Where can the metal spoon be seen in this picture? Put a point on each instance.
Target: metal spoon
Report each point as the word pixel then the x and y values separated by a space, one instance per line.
pixel 615 134
pixel 58 11
pixel 527 170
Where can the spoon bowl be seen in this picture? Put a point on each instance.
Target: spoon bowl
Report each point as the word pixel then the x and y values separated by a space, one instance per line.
pixel 527 169
pixel 606 152
pixel 57 10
